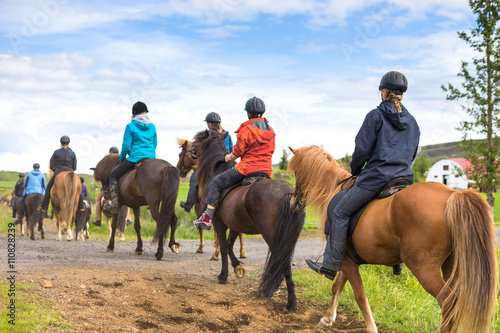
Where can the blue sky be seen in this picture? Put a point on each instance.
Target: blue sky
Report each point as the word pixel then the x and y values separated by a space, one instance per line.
pixel 76 67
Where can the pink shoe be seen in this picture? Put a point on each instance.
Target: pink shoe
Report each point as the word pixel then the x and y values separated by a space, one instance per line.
pixel 203 222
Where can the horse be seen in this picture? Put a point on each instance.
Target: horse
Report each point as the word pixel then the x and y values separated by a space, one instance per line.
pixel 121 224
pixel 64 197
pixel 261 208
pixel 82 218
pixel 6 199
pixel 152 183
pixel 428 226
pixel 33 216
pixel 187 162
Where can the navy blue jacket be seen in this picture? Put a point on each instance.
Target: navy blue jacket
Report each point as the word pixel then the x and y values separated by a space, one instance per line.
pixel 63 160
pixel 386 146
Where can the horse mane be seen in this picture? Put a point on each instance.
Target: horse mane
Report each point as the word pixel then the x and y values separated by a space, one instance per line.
pixel 319 175
pixel 211 152
pixel 104 168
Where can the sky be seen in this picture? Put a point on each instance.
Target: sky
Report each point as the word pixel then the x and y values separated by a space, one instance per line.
pixel 76 68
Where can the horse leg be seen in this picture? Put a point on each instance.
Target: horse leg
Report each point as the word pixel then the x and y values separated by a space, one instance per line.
pixel 331 312
pixel 291 304
pixel 216 254
pixel 111 244
pixel 220 229
pixel 137 227
pixel 243 252
pixel 202 241
pixel 172 244
pixel 40 228
pixel 237 265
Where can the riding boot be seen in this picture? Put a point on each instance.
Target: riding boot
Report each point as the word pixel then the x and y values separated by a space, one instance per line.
pixel 112 205
pixel 396 269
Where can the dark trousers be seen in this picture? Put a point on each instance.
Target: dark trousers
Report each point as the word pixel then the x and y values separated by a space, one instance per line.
pixel 193 190
pixel 46 198
pixel 220 182
pixel 120 170
pixel 354 199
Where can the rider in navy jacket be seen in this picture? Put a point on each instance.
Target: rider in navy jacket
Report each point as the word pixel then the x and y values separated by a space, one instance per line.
pixel 386 146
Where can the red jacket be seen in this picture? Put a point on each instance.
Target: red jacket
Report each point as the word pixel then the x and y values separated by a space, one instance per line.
pixel 255 146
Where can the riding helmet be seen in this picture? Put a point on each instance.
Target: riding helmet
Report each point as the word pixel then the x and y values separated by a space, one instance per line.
pixel 213 117
pixel 113 150
pixel 82 180
pixel 21 175
pixel 139 108
pixel 36 166
pixel 64 140
pixel 255 105
pixel 395 81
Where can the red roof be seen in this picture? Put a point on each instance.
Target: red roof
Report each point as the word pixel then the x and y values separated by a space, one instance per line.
pixel 464 163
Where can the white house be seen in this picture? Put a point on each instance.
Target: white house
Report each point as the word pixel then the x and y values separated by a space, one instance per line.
pixel 446 172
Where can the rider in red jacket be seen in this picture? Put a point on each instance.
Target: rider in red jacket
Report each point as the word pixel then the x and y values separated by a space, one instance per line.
pixel 255 146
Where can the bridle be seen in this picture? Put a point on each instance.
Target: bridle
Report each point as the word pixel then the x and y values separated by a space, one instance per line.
pixel 297 195
pixel 191 152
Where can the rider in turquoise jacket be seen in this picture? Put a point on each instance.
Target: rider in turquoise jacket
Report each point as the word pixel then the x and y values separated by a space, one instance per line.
pixel 139 143
pixel 34 182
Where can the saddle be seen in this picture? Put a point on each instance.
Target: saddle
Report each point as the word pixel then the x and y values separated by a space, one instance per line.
pixel 248 180
pixel 391 188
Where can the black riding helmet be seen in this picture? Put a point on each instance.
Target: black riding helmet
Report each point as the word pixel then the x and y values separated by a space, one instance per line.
pixel 255 106
pixel 138 108
pixel 64 140
pixel 113 150
pixel 36 166
pixel 21 175
pixel 213 117
pixel 82 180
pixel 394 81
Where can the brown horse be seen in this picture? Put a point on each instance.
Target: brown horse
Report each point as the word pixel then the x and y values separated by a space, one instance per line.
pixel 121 225
pixel 428 226
pixel 261 208
pixel 64 198
pixel 187 162
pixel 152 183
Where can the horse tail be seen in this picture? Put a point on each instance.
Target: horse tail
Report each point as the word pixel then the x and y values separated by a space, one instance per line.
pixel 169 189
pixel 71 196
pixel 286 234
pixel 473 281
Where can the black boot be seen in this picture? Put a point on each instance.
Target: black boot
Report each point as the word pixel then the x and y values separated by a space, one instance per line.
pixel 97 223
pixel 396 269
pixel 318 268
pixel 112 205
pixel 187 207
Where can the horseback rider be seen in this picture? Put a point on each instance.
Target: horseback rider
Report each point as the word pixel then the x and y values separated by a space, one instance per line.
pixel 63 159
pixel 255 146
pixel 386 146
pixel 139 143
pixel 17 192
pixel 34 182
pixel 213 122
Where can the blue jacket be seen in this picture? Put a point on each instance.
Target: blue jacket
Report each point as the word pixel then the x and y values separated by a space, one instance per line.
pixel 84 191
pixel 139 140
pixel 35 182
pixel 386 146
pixel 228 142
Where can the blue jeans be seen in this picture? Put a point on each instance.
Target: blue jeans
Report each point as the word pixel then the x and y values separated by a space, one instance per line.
pixel 354 199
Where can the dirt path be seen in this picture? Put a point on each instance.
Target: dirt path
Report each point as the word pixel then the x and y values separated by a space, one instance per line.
pixel 121 292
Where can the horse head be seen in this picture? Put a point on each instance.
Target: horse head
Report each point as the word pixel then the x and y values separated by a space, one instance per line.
pixel 104 168
pixel 187 157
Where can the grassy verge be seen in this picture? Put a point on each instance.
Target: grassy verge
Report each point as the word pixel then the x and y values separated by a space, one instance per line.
pixel 31 315
pixel 398 303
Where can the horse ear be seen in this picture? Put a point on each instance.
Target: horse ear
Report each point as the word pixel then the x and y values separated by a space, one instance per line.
pixel 180 142
pixel 291 149
pixel 207 133
pixel 92 169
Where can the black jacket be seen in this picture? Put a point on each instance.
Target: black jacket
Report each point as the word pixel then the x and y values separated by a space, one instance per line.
pixel 386 146
pixel 63 160
pixel 19 188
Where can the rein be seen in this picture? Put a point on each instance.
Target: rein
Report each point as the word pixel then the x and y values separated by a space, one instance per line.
pixel 297 193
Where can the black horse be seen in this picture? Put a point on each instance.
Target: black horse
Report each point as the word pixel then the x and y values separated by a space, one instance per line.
pixel 261 208
pixel 32 215
pixel 153 183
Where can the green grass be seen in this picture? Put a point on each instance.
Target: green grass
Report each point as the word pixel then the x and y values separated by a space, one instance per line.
pixel 31 315
pixel 398 303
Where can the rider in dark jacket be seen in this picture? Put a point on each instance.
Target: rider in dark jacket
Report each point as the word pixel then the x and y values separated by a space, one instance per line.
pixel 63 159
pixel 386 146
pixel 18 193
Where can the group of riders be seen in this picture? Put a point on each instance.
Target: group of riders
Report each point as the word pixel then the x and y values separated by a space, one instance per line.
pixel 385 147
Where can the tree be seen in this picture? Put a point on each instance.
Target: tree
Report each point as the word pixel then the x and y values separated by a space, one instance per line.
pixel 283 164
pixel 421 167
pixel 482 93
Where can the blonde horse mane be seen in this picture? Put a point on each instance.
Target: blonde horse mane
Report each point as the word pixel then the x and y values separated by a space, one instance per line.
pixel 319 175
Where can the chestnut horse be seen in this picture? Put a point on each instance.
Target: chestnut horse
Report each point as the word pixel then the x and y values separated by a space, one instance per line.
pixel 261 208
pixel 152 183
pixel 187 162
pixel 428 226
pixel 64 197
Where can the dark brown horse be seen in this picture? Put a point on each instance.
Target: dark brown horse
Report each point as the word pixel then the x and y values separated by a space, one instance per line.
pixel 187 162
pixel 64 198
pixel 428 226
pixel 261 208
pixel 153 183
pixel 33 216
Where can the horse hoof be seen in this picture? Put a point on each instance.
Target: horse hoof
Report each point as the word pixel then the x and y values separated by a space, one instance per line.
pixel 219 281
pixel 323 324
pixel 158 257
pixel 110 250
pixel 200 250
pixel 138 253
pixel 175 248
pixel 243 255
pixel 214 258
pixel 122 239
pixel 43 236
pixel 239 271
